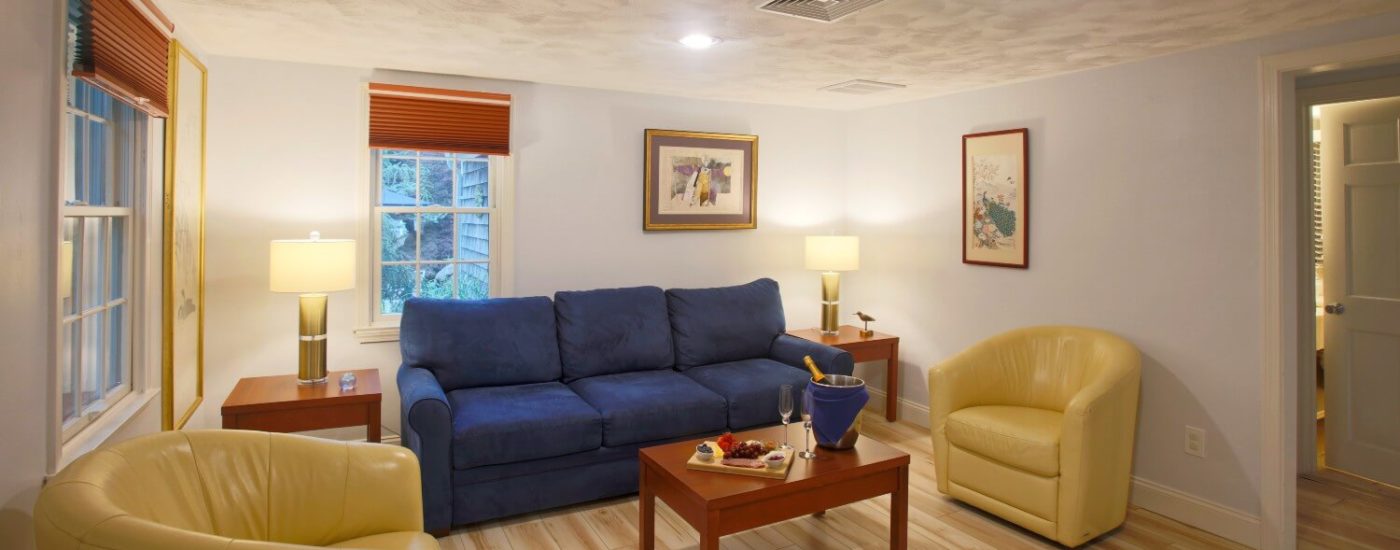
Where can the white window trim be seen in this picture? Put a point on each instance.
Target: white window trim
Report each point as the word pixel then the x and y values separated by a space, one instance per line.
pixel 370 328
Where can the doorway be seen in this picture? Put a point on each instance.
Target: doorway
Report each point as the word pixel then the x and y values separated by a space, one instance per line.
pixel 1351 159
pixel 1349 394
pixel 1286 280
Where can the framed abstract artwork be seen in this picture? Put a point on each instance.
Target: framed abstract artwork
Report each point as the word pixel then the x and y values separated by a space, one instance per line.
pixel 182 368
pixel 996 199
pixel 698 180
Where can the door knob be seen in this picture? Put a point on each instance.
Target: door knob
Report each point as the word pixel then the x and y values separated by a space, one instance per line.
pixel 1335 309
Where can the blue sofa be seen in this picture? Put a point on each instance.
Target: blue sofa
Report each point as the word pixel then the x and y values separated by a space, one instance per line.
pixel 515 405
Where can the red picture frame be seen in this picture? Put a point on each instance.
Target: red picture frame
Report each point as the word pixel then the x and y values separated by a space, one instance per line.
pixel 996 198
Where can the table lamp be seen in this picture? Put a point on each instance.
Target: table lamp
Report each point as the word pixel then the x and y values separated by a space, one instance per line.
pixel 312 267
pixel 830 255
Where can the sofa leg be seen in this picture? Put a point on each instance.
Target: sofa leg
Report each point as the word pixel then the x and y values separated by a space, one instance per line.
pixel 440 533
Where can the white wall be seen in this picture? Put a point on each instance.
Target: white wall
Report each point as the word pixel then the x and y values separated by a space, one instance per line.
pixel 28 130
pixel 286 143
pixel 1144 220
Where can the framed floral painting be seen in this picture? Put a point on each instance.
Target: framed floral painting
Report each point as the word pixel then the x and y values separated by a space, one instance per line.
pixel 996 199
pixel 698 180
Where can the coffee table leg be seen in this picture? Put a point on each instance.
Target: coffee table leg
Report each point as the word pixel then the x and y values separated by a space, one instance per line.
pixel 709 539
pixel 647 504
pixel 899 512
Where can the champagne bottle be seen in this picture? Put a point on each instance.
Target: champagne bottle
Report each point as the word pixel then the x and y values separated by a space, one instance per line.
pixel 817 375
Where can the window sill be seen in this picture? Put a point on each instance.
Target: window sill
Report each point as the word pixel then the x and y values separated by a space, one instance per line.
pixel 376 334
pixel 97 433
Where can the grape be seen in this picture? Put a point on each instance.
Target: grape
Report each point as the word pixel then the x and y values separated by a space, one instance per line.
pixel 747 450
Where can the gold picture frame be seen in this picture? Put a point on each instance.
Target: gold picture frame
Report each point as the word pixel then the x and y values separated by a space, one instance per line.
pixel 182 354
pixel 699 181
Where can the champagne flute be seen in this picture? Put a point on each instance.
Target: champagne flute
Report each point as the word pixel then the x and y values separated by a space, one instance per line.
pixel 785 409
pixel 807 425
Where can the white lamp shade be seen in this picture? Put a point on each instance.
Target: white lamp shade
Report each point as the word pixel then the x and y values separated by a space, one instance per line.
pixel 833 253
pixel 312 265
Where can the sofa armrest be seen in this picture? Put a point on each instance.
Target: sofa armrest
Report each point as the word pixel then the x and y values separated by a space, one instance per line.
pixel 790 350
pixel 427 431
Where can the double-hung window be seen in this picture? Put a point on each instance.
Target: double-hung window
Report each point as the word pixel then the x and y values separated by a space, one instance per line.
pixel 104 169
pixel 440 169
pixel 436 227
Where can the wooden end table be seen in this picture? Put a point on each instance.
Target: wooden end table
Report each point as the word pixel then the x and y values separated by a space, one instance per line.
pixel 718 504
pixel 877 347
pixel 280 404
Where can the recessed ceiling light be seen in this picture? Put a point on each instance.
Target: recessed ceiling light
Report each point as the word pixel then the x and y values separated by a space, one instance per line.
pixel 699 41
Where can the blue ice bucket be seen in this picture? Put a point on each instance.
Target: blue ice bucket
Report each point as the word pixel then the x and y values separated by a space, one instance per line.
pixel 835 404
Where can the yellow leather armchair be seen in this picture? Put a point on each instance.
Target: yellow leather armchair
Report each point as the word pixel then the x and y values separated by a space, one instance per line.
pixel 1036 426
pixel 235 490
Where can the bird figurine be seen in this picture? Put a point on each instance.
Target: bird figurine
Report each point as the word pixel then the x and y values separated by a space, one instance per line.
pixel 866 319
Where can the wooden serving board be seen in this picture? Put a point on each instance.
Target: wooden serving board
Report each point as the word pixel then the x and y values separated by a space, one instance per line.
pixel 715 466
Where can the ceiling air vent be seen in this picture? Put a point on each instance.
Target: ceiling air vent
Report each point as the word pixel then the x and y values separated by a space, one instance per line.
pixel 862 87
pixel 826 11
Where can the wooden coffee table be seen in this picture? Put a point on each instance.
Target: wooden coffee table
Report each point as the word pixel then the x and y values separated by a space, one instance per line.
pixel 717 504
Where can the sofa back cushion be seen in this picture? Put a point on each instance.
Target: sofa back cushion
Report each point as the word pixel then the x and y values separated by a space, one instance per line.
pixel 715 325
pixel 613 330
pixel 468 344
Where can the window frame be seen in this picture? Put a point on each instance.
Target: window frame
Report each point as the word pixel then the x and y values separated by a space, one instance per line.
pixel 122 200
pixel 380 327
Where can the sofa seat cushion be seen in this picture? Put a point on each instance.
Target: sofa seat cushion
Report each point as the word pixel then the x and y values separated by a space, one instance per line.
pixel 613 330
pixel 751 388
pixel 649 405
pixel 715 325
pixel 503 424
pixel 392 541
pixel 1022 437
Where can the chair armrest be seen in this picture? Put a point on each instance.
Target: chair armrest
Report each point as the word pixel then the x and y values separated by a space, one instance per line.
pixel 790 350
pixel 963 380
pixel 383 491
pixel 1096 446
pixel 427 431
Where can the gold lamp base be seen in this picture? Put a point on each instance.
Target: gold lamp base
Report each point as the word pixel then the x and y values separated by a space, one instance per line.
pixel 311 364
pixel 831 300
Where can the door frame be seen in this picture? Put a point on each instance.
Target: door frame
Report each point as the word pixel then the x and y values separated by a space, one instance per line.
pixel 1377 88
pixel 1286 279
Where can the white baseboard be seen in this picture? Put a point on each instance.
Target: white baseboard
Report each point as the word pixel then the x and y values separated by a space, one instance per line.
pixel 909 411
pixel 1197 512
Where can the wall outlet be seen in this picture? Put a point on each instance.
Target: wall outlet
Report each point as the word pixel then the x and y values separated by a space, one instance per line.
pixel 1195 441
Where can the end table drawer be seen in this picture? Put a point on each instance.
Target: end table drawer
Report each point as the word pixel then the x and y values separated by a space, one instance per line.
pixel 301 420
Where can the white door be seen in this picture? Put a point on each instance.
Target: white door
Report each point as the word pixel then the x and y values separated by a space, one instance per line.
pixel 1361 254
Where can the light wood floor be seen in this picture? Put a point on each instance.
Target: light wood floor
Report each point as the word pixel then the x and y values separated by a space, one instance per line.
pixel 1337 510
pixel 934 521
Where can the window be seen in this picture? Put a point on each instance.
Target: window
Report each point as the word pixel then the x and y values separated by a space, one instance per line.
pixel 436 227
pixel 104 160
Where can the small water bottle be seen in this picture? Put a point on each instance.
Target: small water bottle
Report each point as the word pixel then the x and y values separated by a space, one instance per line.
pixel 347 382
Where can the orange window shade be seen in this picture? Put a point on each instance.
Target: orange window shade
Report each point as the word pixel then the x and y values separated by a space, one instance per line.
pixel 431 119
pixel 123 48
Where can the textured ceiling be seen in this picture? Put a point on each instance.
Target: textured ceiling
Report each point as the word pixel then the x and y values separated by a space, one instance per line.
pixel 932 46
